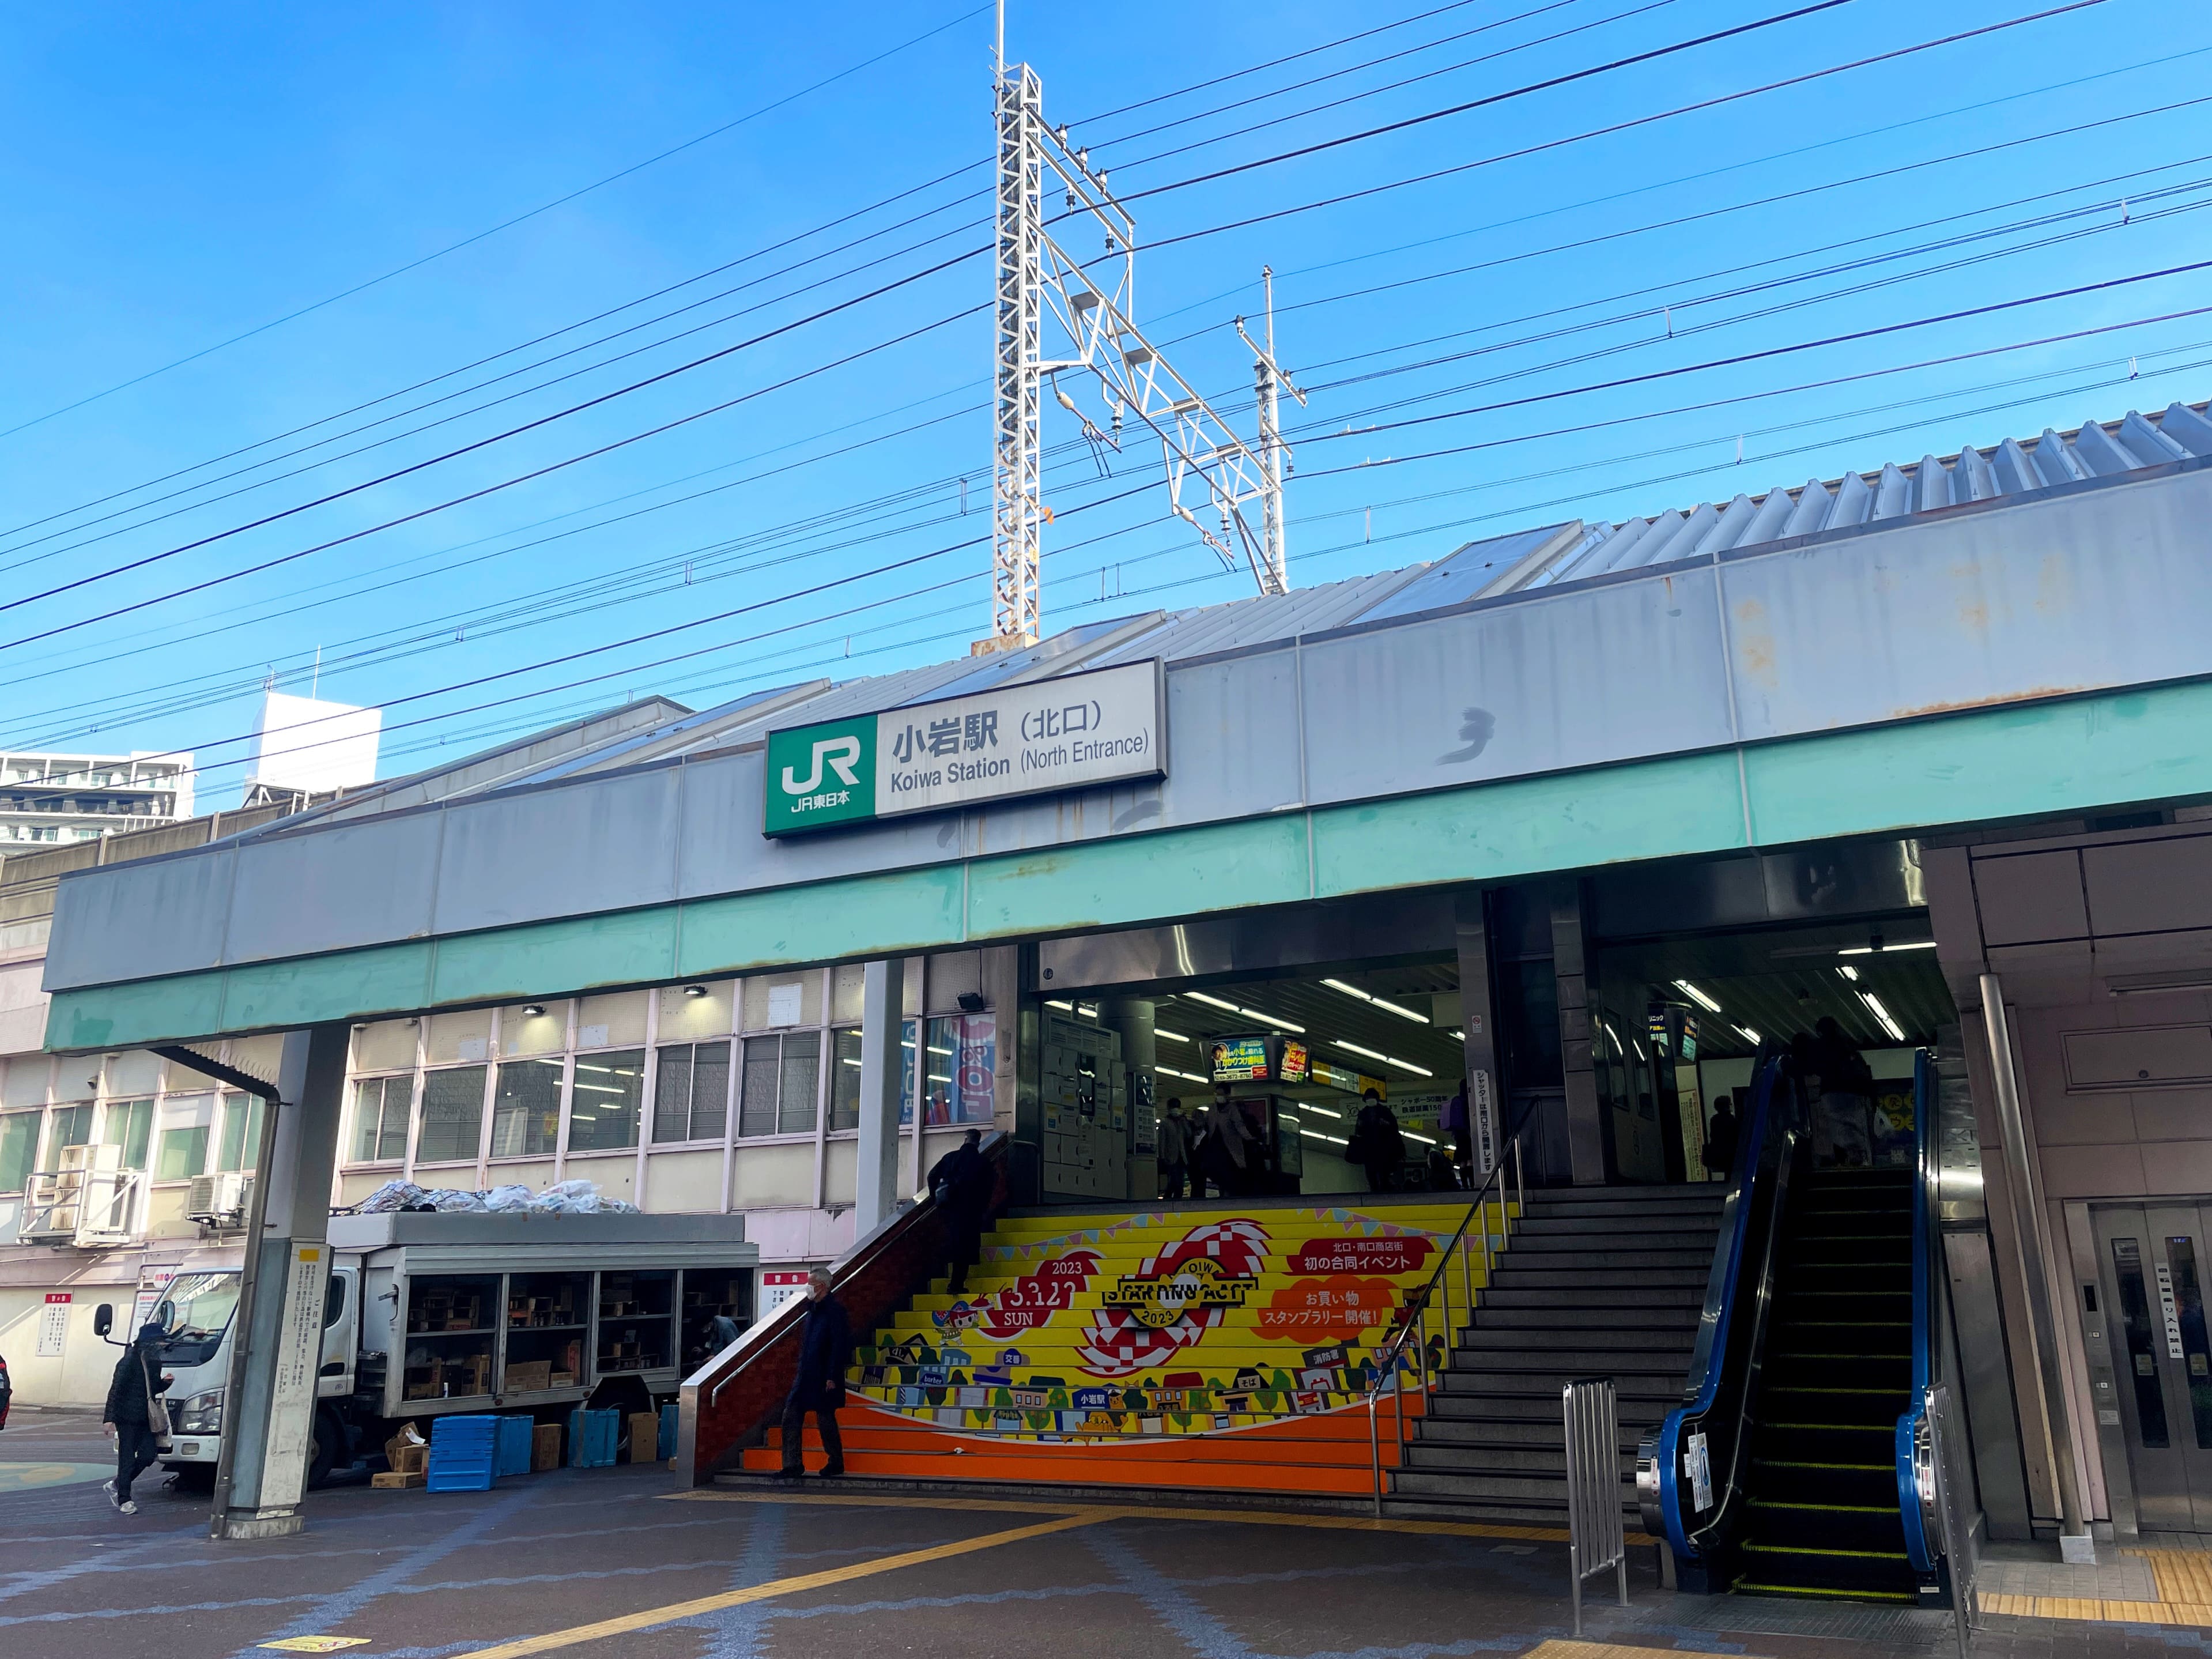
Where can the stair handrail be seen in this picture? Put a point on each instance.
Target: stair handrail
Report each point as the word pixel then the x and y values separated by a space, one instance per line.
pixel 1413 1314
pixel 1722 1385
pixel 769 1344
pixel 1918 1491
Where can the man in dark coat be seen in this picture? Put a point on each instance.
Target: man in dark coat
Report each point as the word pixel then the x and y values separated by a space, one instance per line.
pixel 1376 1143
pixel 129 1416
pixel 962 1182
pixel 825 1349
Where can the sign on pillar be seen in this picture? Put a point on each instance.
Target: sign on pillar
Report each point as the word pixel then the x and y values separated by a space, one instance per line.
pixel 1482 1119
pixel 299 1356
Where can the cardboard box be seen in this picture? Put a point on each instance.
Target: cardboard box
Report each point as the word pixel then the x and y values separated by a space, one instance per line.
pixel 528 1376
pixel 644 1437
pixel 545 1448
pixel 407 1451
pixel 397 1482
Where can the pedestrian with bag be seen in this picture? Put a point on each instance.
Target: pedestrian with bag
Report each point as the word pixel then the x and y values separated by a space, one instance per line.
pixel 962 1184
pixel 135 1414
pixel 825 1349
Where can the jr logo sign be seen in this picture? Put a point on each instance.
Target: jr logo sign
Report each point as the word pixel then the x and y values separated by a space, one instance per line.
pixel 821 774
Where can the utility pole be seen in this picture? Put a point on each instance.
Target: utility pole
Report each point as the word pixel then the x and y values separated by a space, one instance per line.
pixel 1039 280
pixel 1274 454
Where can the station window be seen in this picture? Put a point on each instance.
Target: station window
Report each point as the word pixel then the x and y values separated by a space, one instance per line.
pixel 782 1075
pixel 240 1146
pixel 604 1100
pixel 452 1115
pixel 526 1108
pixel 131 1126
pixel 182 1151
pixel 19 1146
pixel 691 1092
pixel 845 1079
pixel 72 1127
pixel 380 1118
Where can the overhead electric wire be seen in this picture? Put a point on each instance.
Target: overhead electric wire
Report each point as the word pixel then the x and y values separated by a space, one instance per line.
pixel 506 224
pixel 1658 53
pixel 917 558
pixel 770 248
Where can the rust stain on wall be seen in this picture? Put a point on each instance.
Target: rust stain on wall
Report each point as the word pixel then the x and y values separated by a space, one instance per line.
pixel 2034 694
pixel 1755 643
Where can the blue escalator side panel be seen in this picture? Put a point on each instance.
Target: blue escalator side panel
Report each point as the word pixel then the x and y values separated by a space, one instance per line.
pixel 1713 1343
pixel 1922 1554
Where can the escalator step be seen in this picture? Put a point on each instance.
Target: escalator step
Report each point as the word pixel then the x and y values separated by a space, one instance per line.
pixel 1755 1587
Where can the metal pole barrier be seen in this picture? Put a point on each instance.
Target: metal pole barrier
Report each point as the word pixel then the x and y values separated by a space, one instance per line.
pixel 1375 1448
pixel 1596 1538
pixel 1467 1269
pixel 1398 1378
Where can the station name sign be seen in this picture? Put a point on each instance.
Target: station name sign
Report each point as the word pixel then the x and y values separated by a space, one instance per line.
pixel 1078 731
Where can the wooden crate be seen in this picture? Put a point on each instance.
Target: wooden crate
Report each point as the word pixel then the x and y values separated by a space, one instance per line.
pixel 397 1481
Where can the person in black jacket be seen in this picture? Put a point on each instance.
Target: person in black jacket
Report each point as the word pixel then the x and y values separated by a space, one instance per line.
pixel 825 1349
pixel 7 1390
pixel 962 1182
pixel 1376 1144
pixel 132 1394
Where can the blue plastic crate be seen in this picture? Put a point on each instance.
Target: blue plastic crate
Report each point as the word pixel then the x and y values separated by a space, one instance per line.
pixel 666 1448
pixel 462 1452
pixel 592 1438
pixel 513 1456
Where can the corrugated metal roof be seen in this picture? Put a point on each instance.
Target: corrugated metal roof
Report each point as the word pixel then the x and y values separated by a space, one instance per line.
pixel 2093 450
pixel 1517 562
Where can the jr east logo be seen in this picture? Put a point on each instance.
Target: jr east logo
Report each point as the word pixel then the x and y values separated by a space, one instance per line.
pixel 821 774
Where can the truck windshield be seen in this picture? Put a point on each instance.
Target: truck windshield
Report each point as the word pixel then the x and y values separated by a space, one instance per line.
pixel 196 1312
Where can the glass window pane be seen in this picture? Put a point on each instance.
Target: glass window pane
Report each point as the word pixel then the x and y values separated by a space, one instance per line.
pixel 131 1126
pixel 671 1094
pixel 392 1138
pixel 845 1079
pixel 367 1119
pixel 602 1105
pixel 710 1091
pixel 526 1109
pixel 72 1128
pixel 453 1113
pixel 763 1072
pixel 19 1144
pixel 802 1069
pixel 2143 1353
pixel 240 1146
pixel 183 1154
pixel 2189 1302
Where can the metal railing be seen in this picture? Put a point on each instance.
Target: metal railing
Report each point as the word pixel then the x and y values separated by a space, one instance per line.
pixel 1596 1538
pixel 1413 1317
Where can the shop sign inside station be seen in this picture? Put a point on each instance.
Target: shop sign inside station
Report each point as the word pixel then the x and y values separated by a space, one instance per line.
pixel 1077 732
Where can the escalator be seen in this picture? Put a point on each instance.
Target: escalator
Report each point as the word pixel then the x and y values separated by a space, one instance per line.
pixel 1803 1461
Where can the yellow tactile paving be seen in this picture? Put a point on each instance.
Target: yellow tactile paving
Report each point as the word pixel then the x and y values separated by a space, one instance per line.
pixel 1560 1648
pixel 2185 1596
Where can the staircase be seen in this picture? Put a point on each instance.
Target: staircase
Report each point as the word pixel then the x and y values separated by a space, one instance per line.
pixel 1822 1518
pixel 1214 1347
pixel 1601 1282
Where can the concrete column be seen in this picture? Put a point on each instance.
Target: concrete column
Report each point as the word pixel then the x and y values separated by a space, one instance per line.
pixel 269 1408
pixel 883 987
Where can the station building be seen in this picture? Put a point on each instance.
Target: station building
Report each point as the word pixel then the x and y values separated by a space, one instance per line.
pixel 1591 814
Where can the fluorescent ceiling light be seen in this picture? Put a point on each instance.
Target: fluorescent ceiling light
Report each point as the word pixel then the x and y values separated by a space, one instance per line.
pixel 1387 1060
pixel 1332 1139
pixel 854 1064
pixel 1423 1139
pixel 1383 1003
pixel 1873 1003
pixel 1169 1071
pixel 1848 971
pixel 1320 1111
pixel 1885 950
pixel 1285 1023
pixel 1211 1002
pixel 1749 1036
pixel 602 1089
pixel 1052 1002
pixel 934 1050
pixel 1698 996
pixel 1172 1036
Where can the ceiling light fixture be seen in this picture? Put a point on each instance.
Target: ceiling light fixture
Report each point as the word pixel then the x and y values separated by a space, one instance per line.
pixel 695 990
pixel 1849 972
pixel 533 1011
pixel 1698 996
pixel 1887 950
pixel 1375 1054
pixel 1284 1024
pixel 1383 1003
pixel 1055 1002
pixel 1169 1071
pixel 1874 1005
pixel 1331 1139
pixel 1213 1002
pixel 1750 1035
pixel 1172 1036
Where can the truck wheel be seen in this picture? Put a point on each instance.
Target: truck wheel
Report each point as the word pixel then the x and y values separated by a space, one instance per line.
pixel 324 1451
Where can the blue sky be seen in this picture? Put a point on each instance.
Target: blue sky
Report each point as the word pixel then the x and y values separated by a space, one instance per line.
pixel 176 178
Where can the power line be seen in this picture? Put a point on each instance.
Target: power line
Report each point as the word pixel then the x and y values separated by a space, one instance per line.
pixel 1820 5
pixel 506 224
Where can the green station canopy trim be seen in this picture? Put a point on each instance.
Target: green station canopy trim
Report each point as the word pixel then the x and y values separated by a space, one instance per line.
pixel 1075 732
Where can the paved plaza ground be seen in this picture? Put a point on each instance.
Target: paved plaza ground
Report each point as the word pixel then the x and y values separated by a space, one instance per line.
pixel 607 1562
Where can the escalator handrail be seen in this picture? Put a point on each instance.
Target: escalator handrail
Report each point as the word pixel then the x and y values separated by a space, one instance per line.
pixel 1911 1443
pixel 1741 1263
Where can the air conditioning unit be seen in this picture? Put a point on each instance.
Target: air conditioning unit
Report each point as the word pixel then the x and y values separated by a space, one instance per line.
pixel 56 1200
pixel 220 1201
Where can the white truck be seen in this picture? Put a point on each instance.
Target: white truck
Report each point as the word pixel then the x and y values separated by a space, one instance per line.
pixel 429 1312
